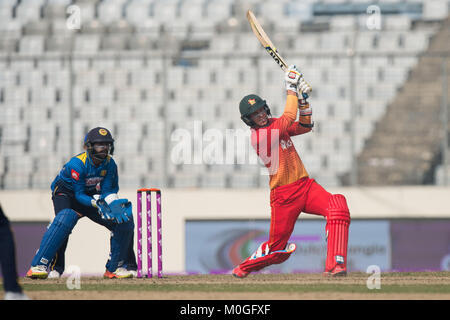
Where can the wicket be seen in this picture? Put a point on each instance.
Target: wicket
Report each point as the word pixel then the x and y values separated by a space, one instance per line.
pixel 148 195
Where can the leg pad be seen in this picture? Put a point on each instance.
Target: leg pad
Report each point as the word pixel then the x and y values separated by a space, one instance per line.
pixel 338 222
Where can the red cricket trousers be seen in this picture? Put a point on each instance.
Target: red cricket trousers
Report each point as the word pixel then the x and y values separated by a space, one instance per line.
pixel 287 202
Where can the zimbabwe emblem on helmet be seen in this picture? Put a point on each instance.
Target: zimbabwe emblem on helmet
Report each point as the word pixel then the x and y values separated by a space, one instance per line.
pixel 251 101
pixel 103 132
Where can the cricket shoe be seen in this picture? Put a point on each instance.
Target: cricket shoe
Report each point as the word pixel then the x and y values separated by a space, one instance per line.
pixel 133 273
pixel 239 273
pixel 337 271
pixel 54 274
pixel 9 295
pixel 291 247
pixel 37 272
pixel 120 273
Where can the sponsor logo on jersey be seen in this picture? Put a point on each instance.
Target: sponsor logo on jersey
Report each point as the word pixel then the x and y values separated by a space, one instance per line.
pixel 93 181
pixel 103 173
pixel 75 175
pixel 286 144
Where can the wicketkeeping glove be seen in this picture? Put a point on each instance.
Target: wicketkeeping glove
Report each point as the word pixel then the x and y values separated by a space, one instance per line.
pixel 104 209
pixel 121 210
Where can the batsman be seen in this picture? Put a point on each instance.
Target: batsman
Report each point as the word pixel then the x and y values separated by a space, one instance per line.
pixel 292 190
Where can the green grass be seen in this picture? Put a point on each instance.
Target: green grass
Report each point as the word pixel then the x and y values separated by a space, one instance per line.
pixel 288 288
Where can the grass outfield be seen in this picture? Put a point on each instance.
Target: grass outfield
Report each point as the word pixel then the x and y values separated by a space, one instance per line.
pixel 416 285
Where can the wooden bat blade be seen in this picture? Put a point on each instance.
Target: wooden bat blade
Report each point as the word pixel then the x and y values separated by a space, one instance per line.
pixel 265 40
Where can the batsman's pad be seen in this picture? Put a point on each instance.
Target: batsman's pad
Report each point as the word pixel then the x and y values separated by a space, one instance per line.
pixel 338 222
pixel 263 257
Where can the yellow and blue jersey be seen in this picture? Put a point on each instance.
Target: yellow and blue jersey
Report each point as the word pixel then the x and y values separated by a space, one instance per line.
pixel 84 179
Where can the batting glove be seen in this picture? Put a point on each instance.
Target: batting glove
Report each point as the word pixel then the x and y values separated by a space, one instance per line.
pixel 291 78
pixel 304 88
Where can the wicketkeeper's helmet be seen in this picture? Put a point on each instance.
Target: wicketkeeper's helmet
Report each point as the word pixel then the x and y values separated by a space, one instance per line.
pixel 98 134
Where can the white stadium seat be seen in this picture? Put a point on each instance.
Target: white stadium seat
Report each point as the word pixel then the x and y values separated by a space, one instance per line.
pixel 121 80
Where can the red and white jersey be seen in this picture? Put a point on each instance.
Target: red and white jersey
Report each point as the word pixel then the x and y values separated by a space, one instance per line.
pixel 275 148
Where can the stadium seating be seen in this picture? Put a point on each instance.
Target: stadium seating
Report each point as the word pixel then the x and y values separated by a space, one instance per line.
pixel 146 67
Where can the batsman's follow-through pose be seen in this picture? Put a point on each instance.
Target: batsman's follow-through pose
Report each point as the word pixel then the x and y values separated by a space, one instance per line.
pixel 87 185
pixel 292 191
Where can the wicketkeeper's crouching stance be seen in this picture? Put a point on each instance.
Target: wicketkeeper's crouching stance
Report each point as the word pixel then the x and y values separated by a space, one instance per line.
pixel 87 186
pixel 292 191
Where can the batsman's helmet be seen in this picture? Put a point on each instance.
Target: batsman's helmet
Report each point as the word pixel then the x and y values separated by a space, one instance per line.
pixel 249 104
pixel 98 134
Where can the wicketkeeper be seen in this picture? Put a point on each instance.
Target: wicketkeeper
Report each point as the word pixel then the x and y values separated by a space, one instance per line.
pixel 87 185
pixel 292 190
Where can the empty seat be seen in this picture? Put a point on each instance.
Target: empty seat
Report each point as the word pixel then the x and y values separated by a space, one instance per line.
pixel 397 22
pixel 113 42
pixel 247 43
pixel 6 10
pixel 87 43
pixel 58 44
pixel 14 97
pixel 16 181
pixel 87 11
pixel 223 43
pixel 217 10
pixel 342 23
pixel 192 10
pixel 140 42
pixel 416 41
pixel 46 96
pixel 137 11
pixel 18 165
pixel 86 78
pixel 185 180
pixel 7 78
pixel 274 9
pixel 300 10
pixel 28 11
pixel 8 45
pixel 55 9
pixel 177 28
pixel 109 11
pixel 243 180
pixel 41 179
pixel 14 133
pixel 214 180
pixel 165 10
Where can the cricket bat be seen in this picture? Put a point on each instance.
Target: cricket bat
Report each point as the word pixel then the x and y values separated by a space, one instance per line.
pixel 266 42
